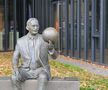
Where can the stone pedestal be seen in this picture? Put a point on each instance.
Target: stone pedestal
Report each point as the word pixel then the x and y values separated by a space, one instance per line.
pixel 55 84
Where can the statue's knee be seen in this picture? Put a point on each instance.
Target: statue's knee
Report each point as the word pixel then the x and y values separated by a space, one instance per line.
pixel 15 79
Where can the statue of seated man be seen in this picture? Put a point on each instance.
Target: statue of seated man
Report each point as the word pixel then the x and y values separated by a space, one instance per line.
pixel 33 51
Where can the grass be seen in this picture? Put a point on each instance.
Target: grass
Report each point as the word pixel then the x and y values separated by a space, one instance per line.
pixel 88 81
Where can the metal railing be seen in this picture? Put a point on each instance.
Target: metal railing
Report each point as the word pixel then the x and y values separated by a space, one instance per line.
pixel 82 25
pixel 92 13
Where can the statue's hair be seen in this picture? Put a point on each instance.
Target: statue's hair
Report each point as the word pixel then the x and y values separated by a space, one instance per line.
pixel 29 21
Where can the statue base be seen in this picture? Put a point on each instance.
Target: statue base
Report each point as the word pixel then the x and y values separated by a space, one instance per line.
pixel 54 84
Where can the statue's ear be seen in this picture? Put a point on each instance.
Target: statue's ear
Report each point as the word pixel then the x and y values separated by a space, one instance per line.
pixel 27 27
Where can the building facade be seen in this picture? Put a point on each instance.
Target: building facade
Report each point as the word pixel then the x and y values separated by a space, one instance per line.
pixel 82 25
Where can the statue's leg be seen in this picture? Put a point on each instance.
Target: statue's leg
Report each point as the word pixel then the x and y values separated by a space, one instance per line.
pixel 42 81
pixel 16 84
pixel 17 80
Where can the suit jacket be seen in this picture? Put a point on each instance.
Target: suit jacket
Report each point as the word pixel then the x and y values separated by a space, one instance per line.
pixel 22 49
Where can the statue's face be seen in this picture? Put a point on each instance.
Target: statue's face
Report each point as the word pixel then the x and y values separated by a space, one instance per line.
pixel 34 27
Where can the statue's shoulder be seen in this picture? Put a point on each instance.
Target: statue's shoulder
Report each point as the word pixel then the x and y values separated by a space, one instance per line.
pixel 42 40
pixel 40 36
pixel 19 40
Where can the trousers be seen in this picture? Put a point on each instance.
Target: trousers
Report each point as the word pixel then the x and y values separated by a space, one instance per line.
pixel 24 74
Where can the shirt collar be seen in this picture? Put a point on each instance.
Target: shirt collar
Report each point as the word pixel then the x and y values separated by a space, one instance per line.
pixel 32 37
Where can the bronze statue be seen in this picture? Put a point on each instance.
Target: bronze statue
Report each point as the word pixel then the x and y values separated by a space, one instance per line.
pixel 34 51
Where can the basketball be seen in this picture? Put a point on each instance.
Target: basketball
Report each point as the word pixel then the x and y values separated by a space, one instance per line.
pixel 51 34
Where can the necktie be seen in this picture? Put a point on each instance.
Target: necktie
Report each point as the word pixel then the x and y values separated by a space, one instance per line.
pixel 32 54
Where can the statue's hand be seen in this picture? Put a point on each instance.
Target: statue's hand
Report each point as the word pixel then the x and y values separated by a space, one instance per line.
pixel 50 45
pixel 16 74
pixel 51 48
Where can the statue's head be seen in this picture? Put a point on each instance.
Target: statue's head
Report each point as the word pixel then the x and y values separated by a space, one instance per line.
pixel 32 26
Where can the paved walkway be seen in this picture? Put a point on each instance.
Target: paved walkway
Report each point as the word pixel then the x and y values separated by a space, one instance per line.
pixel 89 67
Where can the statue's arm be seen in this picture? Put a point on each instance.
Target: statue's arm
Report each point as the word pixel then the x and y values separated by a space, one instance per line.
pixel 15 60
pixel 53 53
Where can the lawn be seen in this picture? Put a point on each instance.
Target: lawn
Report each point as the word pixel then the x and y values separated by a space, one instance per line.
pixel 88 81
